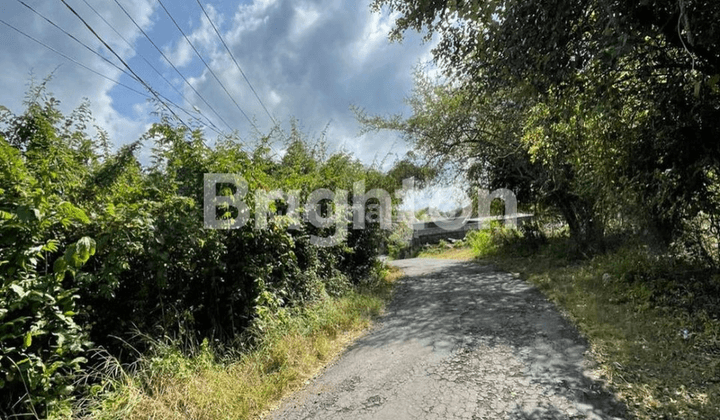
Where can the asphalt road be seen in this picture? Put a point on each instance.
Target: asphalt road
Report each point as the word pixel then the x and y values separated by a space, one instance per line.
pixel 459 340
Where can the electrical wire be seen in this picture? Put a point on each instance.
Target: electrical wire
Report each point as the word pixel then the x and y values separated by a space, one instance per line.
pixel 136 76
pixel 151 66
pixel 75 39
pixel 206 65
pixel 75 61
pixel 235 61
pixel 172 65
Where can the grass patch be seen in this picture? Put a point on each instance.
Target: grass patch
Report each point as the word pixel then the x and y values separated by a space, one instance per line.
pixel 169 384
pixel 652 322
pixel 460 252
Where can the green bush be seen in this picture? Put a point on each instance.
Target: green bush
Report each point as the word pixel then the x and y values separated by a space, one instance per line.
pixel 41 345
pixel 482 242
pixel 150 267
pixel 488 241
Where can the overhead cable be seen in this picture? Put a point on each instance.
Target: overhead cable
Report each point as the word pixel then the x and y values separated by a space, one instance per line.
pixel 206 65
pixel 65 56
pixel 75 39
pixel 236 63
pixel 171 64
pixel 135 75
pixel 151 66
pixel 75 61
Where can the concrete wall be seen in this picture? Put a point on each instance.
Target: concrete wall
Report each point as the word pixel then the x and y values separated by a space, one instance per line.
pixel 430 233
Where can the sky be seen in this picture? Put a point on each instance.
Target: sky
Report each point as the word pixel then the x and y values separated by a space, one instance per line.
pixel 305 59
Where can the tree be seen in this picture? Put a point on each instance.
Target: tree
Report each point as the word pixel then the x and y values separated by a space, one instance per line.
pixel 607 97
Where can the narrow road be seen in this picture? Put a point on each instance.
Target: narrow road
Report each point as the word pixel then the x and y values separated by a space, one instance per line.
pixel 459 340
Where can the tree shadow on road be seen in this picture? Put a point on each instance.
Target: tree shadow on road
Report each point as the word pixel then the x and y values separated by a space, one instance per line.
pixel 463 307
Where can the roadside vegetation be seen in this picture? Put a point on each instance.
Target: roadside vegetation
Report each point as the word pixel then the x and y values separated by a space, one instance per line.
pixel 115 300
pixel 602 117
pixel 175 380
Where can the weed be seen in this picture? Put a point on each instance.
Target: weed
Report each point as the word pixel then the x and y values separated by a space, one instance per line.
pixel 290 348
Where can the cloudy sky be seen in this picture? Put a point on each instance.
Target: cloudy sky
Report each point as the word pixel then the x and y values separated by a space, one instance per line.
pixel 308 59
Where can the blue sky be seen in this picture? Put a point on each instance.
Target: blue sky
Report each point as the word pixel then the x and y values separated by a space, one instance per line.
pixel 306 59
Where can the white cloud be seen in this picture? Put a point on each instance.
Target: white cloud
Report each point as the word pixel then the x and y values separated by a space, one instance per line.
pixel 275 99
pixel 374 36
pixel 181 55
pixel 305 17
pixel 312 60
pixel 309 59
pixel 71 83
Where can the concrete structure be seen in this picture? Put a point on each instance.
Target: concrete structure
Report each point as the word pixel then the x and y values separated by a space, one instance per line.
pixel 454 228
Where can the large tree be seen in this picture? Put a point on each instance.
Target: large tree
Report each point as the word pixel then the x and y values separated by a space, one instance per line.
pixel 606 105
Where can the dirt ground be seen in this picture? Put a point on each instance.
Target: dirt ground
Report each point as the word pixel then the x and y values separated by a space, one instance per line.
pixel 460 340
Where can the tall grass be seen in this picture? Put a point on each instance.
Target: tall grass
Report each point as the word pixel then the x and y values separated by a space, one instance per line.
pixel 291 347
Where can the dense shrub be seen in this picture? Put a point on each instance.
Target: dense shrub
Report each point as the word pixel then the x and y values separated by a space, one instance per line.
pixel 96 247
pixel 490 240
pixel 41 344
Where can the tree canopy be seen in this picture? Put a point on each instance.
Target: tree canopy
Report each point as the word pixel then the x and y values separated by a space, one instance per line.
pixel 596 108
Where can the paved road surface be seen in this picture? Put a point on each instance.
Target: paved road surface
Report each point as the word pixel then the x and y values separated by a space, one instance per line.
pixel 463 341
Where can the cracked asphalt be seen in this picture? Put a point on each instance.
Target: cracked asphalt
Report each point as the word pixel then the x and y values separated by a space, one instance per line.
pixel 460 340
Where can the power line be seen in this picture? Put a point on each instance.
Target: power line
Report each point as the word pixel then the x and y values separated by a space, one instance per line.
pixel 152 67
pixel 139 79
pixel 106 60
pixel 75 39
pixel 206 65
pixel 172 65
pixel 75 61
pixel 65 56
pixel 235 61
pixel 132 76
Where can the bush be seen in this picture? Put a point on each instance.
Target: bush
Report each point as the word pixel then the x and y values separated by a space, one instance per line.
pixel 482 242
pixel 41 345
pixel 489 241
pixel 150 266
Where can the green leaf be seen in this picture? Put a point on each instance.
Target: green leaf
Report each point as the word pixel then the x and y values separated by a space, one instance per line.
pixel 71 211
pixel 51 246
pixel 85 248
pixel 19 290
pixel 78 361
pixel 25 213
pixel 60 265
pixel 28 340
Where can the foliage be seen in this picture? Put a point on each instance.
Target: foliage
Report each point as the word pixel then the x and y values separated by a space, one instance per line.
pixel 399 241
pixel 586 107
pixel 41 344
pixel 174 384
pixel 492 239
pixel 94 245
